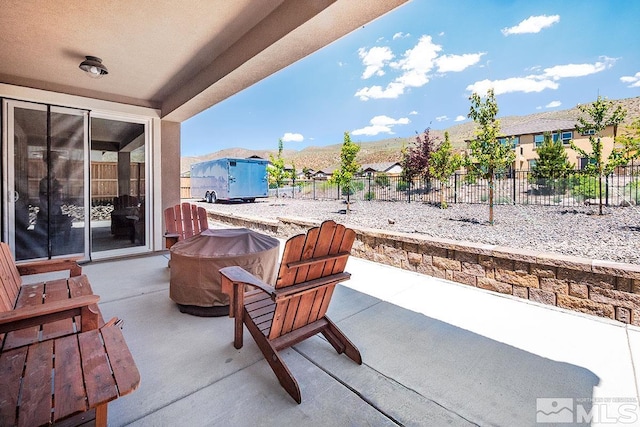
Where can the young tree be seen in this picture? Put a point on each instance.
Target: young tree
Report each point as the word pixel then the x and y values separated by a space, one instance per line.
pixel 307 172
pixel 276 170
pixel 488 155
pixel 343 176
pixel 595 118
pixel 415 160
pixel 444 162
pixel 552 163
pixel 630 141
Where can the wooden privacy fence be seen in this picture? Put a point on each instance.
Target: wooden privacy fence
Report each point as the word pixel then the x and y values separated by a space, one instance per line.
pixel 104 181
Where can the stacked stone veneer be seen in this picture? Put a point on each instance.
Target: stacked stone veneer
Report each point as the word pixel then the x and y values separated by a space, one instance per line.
pixel 601 288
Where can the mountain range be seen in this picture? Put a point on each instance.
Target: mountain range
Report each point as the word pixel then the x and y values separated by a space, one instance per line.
pixel 389 150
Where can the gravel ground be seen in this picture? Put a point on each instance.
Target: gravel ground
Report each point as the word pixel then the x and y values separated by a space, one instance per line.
pixel 615 236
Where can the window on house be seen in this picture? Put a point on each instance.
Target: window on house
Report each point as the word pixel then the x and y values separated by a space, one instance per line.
pixel 589 132
pixel 567 137
pixel 584 161
pixel 513 141
pixel 538 140
pixel 532 164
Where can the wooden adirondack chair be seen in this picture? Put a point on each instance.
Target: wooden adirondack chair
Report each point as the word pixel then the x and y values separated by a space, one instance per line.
pixel 183 221
pixel 293 309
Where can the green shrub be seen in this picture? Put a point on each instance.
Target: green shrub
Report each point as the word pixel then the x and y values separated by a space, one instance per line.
pixel 352 188
pixel 585 187
pixel 382 180
pixel 370 195
pixel 549 186
pixel 632 191
pixel 402 186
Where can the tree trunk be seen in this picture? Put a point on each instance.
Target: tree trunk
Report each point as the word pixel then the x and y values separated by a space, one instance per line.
pixel 491 200
pixel 600 194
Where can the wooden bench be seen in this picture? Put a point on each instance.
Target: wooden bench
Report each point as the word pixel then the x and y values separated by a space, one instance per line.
pixel 55 362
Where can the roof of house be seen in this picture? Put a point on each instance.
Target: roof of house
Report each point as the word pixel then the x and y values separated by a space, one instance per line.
pixel 539 126
pixel 379 167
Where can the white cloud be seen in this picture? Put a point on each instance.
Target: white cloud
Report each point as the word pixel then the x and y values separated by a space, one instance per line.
pixel 374 60
pixel 401 35
pixel 513 84
pixel 419 59
pixel 413 113
pixel 442 118
pixel 460 118
pixel 292 137
pixel 539 82
pixel 388 121
pixel 441 33
pixel 553 104
pixel 414 67
pixel 392 91
pixel 634 81
pixel 578 70
pixel 380 124
pixel 533 24
pixel 372 130
pixel 457 63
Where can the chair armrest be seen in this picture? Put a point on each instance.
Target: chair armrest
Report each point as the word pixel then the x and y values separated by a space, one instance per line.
pixel 170 239
pixel 47 266
pixel 25 317
pixel 240 276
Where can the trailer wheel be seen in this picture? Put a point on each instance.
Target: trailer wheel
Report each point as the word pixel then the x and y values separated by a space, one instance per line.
pixel 207 197
pixel 212 197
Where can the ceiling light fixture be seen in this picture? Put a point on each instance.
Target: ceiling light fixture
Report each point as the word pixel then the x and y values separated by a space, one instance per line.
pixel 93 66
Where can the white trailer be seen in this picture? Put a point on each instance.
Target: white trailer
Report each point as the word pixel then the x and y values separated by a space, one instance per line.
pixel 230 179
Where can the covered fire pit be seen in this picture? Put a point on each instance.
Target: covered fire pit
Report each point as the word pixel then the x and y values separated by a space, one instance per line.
pixel 195 280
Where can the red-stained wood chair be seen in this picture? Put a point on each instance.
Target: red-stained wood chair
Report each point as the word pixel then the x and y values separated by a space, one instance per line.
pixel 184 221
pixel 295 307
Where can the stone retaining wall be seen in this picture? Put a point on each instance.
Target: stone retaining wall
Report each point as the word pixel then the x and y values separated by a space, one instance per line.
pixel 601 288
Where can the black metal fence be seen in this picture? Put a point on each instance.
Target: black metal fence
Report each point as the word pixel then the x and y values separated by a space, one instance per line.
pixel 520 187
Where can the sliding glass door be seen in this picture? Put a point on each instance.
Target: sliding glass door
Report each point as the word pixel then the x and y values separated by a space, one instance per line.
pixel 45 180
pixel 118 186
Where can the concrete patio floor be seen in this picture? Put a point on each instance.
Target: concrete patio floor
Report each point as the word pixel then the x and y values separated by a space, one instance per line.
pixel 434 353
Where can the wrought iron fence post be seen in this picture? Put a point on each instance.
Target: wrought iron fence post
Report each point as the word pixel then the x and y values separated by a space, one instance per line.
pixel 606 189
pixel 455 187
pixel 513 180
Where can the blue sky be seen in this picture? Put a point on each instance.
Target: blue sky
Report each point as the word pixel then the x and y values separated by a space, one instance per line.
pixel 417 66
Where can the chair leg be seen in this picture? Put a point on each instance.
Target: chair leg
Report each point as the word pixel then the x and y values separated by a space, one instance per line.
pixel 340 342
pixel 275 361
pixel 101 415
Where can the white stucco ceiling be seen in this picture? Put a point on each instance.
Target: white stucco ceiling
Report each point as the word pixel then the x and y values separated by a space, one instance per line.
pixel 180 57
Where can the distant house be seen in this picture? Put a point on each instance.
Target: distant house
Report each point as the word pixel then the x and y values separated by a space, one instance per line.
pixel 325 173
pixel 390 168
pixel 526 137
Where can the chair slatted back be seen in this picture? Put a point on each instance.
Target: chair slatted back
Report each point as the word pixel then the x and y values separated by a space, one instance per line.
pixel 186 220
pixel 321 253
pixel 10 279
